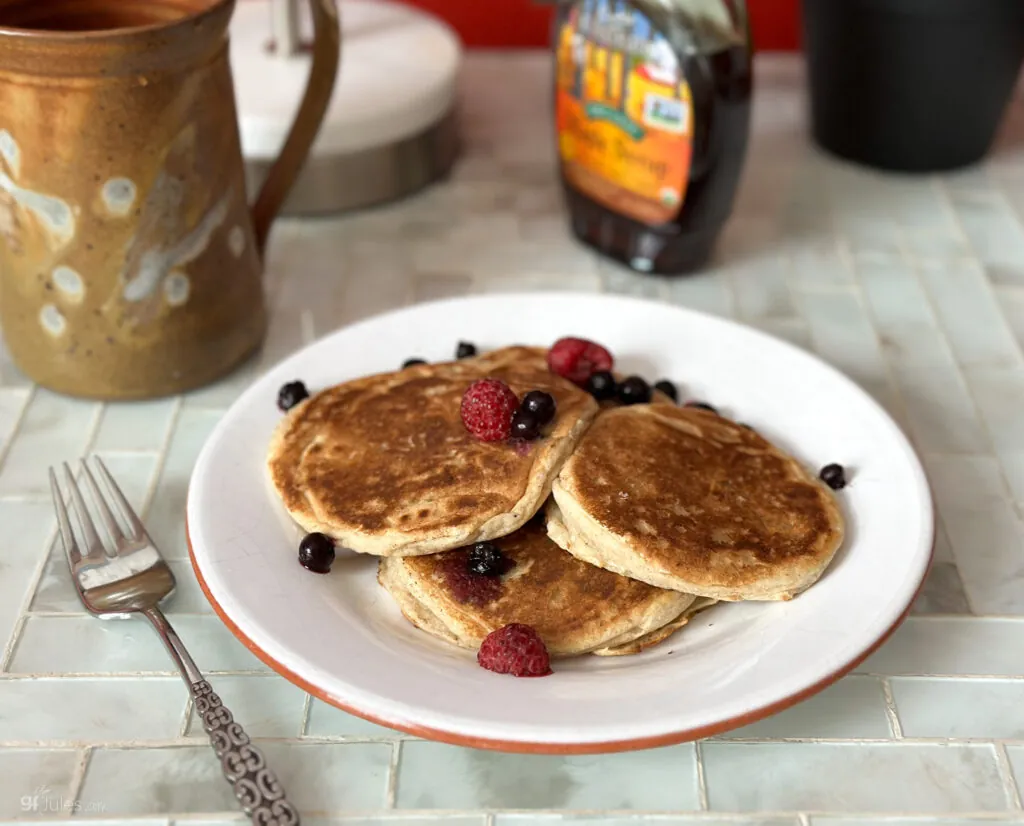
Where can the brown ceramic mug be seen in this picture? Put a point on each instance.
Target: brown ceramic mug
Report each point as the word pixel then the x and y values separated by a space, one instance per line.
pixel 130 261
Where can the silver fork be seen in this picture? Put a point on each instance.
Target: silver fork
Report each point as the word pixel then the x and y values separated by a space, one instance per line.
pixel 132 578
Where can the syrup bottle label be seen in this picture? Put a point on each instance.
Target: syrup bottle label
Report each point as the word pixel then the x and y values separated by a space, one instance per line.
pixel 624 112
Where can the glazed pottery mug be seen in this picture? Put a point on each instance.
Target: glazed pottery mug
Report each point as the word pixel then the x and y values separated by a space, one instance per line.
pixel 130 260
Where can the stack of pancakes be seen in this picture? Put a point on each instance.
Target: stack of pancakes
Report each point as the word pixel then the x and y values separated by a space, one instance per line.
pixel 619 523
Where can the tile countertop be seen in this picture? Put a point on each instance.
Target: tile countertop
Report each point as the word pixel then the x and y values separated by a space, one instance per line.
pixel 913 287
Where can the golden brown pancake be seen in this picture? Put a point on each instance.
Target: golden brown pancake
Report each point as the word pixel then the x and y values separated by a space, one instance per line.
pixel 683 498
pixel 384 465
pixel 574 607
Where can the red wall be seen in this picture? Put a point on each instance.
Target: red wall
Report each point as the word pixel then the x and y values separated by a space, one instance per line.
pixel 519 23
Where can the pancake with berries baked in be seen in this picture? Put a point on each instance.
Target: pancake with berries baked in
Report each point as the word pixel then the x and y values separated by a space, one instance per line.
pixel 525 579
pixel 430 457
pixel 682 498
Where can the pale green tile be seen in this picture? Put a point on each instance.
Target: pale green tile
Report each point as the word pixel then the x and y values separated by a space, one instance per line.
pixel 853 777
pixel 135 426
pixel 696 819
pixel 33 781
pixel 188 779
pixel 265 705
pixel 27 528
pixel 977 709
pixel 12 401
pixel 436 776
pixel 852 708
pixel 87 645
pixel 165 520
pixel 54 429
pixel 91 710
pixel 327 721
pixel 952 646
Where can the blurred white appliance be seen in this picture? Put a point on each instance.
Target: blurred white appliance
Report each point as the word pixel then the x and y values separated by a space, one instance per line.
pixel 390 129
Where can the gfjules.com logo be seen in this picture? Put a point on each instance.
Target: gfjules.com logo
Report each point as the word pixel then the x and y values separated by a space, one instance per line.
pixel 46 801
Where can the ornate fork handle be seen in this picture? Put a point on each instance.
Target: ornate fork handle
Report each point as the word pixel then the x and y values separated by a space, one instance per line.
pixel 257 788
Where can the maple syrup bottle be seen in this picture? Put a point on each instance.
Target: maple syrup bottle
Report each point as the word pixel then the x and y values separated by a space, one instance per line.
pixel 652 115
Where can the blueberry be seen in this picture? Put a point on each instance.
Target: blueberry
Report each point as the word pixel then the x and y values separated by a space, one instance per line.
pixel 412 363
pixel 702 406
pixel 540 404
pixel 669 389
pixel 486 559
pixel 465 350
pixel 601 385
pixel 525 425
pixel 834 476
pixel 291 394
pixel 316 553
pixel 634 390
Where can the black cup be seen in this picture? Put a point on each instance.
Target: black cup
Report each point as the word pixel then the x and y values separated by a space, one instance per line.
pixel 911 85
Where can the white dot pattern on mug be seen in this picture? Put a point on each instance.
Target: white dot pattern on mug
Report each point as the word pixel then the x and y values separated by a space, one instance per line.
pixel 119 196
pixel 53 320
pixel 69 282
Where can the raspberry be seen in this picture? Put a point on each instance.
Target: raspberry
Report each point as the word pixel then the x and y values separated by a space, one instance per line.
pixel 576 358
pixel 487 409
pixel 515 649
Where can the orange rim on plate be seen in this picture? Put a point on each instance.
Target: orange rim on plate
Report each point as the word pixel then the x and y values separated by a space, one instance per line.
pixel 526 747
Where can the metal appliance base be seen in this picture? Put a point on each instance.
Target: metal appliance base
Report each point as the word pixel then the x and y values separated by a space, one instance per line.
pixel 342 183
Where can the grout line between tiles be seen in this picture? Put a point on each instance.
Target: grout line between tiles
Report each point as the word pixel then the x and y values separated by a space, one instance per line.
pixel 186 716
pixel 555 815
pixel 78 774
pixel 199 407
pixel 24 497
pixel 128 452
pixel 540 816
pixel 12 641
pixel 891 712
pixel 871 741
pixel 726 279
pixel 798 289
pixel 632 815
pixel 79 614
pixel 161 462
pixel 702 781
pixel 308 327
pixel 391 796
pixel 75 675
pixel 6 446
pixel 198 739
pixel 307 709
pixel 370 739
pixel 1013 791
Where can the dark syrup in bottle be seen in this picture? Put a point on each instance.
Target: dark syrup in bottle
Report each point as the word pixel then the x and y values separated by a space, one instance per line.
pixel 627 197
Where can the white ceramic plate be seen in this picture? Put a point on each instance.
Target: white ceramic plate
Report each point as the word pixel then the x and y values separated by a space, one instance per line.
pixel 341 637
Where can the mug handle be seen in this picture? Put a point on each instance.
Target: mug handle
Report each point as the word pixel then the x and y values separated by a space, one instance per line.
pixel 319 88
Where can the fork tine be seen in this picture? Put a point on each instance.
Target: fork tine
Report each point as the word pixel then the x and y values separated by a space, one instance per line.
pixel 109 522
pixel 93 545
pixel 67 538
pixel 129 515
